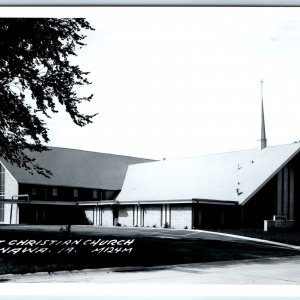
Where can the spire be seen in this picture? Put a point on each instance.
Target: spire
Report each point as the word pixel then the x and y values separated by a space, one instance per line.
pixel 263 139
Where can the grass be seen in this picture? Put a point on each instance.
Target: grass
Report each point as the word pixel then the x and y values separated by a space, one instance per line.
pixel 147 250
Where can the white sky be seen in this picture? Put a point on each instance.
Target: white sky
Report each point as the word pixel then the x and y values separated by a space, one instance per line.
pixel 183 81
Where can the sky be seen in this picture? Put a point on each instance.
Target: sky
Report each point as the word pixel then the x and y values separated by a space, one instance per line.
pixel 172 82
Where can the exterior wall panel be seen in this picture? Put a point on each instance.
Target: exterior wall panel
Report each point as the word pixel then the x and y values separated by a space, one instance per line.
pixel 279 193
pixel 107 216
pixel 181 216
pixel 286 191
pixel 292 195
pixel 89 214
pixel 126 215
pixel 11 211
pixel 152 215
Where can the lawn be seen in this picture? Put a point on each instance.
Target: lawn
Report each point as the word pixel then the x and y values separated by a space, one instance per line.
pixel 35 249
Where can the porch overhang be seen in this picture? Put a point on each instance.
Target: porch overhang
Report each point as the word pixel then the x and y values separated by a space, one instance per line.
pixel 215 202
pixel 97 203
pixel 37 202
pixel 147 202
pixel 58 202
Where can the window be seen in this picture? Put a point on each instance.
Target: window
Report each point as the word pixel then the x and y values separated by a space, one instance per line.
pixel 2 191
pixel 54 191
pixel 1 212
pixel 34 191
pixel 2 182
pixel 95 194
pixel 75 193
pixel 110 195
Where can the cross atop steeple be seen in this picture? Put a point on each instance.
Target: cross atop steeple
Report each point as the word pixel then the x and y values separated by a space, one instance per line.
pixel 263 138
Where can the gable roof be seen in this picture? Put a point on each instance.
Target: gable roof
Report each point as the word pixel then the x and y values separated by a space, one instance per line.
pixel 210 177
pixel 77 168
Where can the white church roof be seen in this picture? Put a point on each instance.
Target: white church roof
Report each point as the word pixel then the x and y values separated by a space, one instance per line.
pixel 233 176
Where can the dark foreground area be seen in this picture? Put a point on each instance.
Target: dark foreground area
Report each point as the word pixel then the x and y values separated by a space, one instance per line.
pixel 287 236
pixel 26 249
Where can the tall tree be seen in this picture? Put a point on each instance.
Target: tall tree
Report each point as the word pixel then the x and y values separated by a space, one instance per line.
pixel 35 75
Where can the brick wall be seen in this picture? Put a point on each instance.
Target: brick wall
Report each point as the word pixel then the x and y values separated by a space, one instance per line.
pixel 181 216
pixel 176 215
pixel 152 215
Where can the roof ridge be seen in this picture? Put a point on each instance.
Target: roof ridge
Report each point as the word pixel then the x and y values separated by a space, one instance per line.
pixel 96 152
pixel 226 152
pixel 216 153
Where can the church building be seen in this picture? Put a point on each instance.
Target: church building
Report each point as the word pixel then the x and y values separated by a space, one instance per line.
pixel 256 188
pixel 249 188
pixel 81 190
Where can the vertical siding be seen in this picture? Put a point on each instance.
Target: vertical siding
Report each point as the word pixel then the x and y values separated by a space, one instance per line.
pixel 136 215
pixel 286 192
pixel 279 193
pixel 11 211
pixel 167 215
pixel 141 215
pixel 97 220
pixel 292 195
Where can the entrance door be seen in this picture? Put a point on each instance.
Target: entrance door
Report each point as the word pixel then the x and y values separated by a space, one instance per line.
pixel 115 215
pixel 197 217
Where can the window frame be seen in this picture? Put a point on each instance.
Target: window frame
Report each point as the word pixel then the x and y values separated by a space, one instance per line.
pixel 2 181
pixel 75 193
pixel 54 191
pixel 95 194
pixel 2 212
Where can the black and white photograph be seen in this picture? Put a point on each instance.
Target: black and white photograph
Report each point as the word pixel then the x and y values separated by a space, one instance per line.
pixel 150 145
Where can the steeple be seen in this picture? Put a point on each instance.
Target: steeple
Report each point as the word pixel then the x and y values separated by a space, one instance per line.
pixel 263 138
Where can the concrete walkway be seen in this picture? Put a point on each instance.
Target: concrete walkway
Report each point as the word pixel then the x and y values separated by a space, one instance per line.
pixel 279 271
pixel 259 271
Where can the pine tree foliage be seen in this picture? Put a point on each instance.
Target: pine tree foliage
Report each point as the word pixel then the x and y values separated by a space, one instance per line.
pixel 35 76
